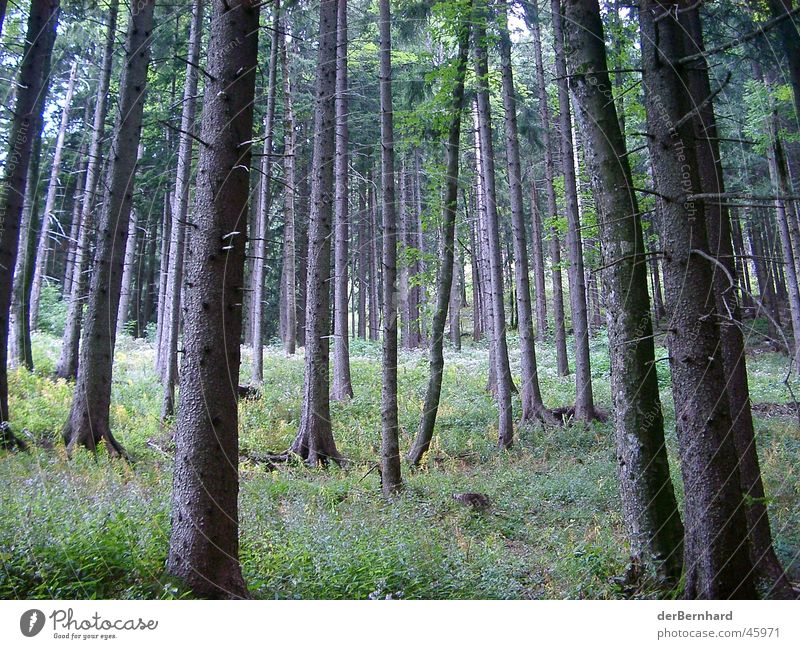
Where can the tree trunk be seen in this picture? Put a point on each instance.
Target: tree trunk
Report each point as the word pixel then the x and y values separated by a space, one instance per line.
pixel 374 277
pixel 75 221
pixel 648 499
pixel 505 429
pixel 445 289
pixel 163 280
pixel 454 309
pixel 342 385
pixel 391 480
pixel 584 399
pixel 716 560
pixel 129 266
pixel 562 363
pixel 67 366
pixel 314 442
pixel 180 216
pixel 538 262
pixel 88 421
pixel 790 43
pixel 362 262
pixel 289 152
pixel 204 542
pixel 43 247
pixel 39 40
pixel 532 404
pixel 262 220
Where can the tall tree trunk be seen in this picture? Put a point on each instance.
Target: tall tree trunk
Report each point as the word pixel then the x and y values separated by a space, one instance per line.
pixel 289 152
pixel 264 201
pixel 362 263
pixel 505 429
pixel 449 210
pixel 88 421
pixel 163 279
pixel 648 499
pixel 39 40
pixel 532 404
pixel 374 277
pixel 67 366
pixel 75 221
pixel 391 480
pixel 404 272
pixel 204 542
pixel 454 309
pixel 342 385
pixel 20 353
pixel 537 251
pixel 584 399
pixel 314 442
pixel 43 247
pixel 716 560
pixel 179 216
pixel 562 363
pixel 129 267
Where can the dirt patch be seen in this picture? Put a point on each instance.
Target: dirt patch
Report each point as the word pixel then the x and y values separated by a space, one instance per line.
pixel 776 409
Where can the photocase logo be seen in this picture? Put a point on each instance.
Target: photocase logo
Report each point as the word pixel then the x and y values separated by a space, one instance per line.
pixel 31 622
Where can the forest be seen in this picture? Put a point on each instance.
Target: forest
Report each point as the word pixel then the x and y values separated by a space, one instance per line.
pixel 400 299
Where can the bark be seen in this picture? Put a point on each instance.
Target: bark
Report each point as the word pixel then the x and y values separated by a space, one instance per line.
pixel 562 364
pixel 264 201
pixel 391 480
pixel 454 309
pixel 314 442
pixel 716 560
pixel 502 368
pixel 163 279
pixel 180 215
pixel 342 385
pixel 67 366
pixel 404 272
pixel 289 152
pixel 374 277
pixel 584 399
pixel 445 281
pixel 20 353
pixel 43 247
pixel 648 500
pixel 531 395
pixel 88 421
pixel 740 259
pixel 204 542
pixel 40 36
pixel 537 252
pixel 362 263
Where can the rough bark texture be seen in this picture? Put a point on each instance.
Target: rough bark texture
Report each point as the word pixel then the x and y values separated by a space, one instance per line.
pixel 129 267
pixel 264 201
pixel 716 560
pixel 342 385
pixel 537 252
pixel 75 221
pixel 444 288
pixel 374 276
pixel 289 152
pixel 531 395
pixel 88 421
pixel 584 399
pixel 769 574
pixel 505 430
pixel 651 513
pixel 391 480
pixel 204 543
pixel 43 246
pixel 39 40
pixel 67 366
pixel 314 442
pixel 562 363
pixel 179 215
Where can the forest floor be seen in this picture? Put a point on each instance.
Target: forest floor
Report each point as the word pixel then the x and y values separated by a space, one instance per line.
pixel 95 528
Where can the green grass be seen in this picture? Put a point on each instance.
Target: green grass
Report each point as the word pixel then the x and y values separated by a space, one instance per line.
pixel 94 528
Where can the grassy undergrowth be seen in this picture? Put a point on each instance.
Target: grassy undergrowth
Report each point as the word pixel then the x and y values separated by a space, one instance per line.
pixel 93 528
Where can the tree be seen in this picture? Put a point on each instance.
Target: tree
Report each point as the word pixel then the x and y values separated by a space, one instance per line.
pixel 486 159
pixel 289 152
pixel 41 32
pixel 648 499
pixel 67 366
pixel 178 214
pixel 204 541
pixel 342 385
pixel 445 280
pixel 584 398
pixel 88 421
pixel 314 442
pixel 716 560
pixel 391 479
